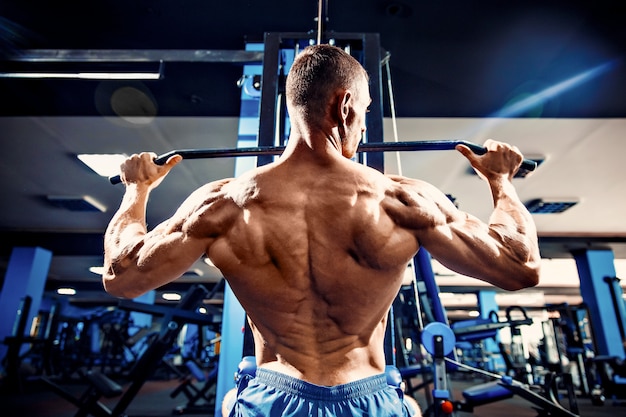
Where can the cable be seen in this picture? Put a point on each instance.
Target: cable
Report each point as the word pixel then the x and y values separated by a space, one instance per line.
pixel 471 368
pixel 392 106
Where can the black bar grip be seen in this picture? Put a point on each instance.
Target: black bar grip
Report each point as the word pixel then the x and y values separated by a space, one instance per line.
pixel 527 164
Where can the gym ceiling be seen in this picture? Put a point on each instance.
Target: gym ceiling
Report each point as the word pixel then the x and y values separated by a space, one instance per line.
pixel 455 65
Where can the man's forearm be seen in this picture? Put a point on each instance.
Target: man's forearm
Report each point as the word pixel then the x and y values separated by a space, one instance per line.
pixel 506 202
pixel 130 218
pixel 123 235
pixel 514 224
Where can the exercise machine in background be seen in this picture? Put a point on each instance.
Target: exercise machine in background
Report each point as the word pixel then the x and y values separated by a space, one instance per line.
pixel 439 341
pixel 99 385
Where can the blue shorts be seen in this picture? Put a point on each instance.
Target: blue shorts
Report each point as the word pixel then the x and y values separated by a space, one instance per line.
pixel 272 394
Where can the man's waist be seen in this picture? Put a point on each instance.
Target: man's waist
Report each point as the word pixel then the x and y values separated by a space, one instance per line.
pixel 310 391
pixel 273 374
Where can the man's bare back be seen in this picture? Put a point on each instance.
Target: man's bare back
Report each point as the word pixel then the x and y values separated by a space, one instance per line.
pixel 327 262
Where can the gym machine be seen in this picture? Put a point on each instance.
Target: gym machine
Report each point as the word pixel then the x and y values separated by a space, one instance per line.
pixel 610 371
pixel 439 340
pixel 200 399
pixel 36 349
pixel 568 336
pixel 99 385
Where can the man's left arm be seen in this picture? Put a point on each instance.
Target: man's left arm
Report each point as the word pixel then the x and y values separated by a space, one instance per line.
pixel 135 260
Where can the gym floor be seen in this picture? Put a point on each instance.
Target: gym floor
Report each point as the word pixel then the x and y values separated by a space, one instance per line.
pixel 154 400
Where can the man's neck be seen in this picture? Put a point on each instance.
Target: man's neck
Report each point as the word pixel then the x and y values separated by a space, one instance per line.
pixel 317 142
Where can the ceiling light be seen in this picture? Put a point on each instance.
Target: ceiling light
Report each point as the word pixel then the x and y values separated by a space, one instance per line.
pixel 77 203
pixel 105 165
pixel 531 298
pixel 171 296
pixel 209 262
pixel 83 70
pixel 550 206
pixel 473 313
pixel 84 75
pixel 66 291
pixel 98 270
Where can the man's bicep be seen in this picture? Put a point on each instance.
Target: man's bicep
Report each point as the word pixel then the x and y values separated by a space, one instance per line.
pixel 169 253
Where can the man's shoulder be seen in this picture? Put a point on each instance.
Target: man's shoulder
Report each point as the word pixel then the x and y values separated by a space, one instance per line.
pixel 218 186
pixel 411 184
pixel 208 193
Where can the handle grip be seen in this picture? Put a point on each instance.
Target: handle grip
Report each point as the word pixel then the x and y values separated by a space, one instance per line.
pixel 527 164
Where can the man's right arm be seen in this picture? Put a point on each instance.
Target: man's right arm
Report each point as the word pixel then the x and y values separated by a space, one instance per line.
pixel 504 251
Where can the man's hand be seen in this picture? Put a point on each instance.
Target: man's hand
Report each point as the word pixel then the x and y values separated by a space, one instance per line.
pixel 501 159
pixel 141 169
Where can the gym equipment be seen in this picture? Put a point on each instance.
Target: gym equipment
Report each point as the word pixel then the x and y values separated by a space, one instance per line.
pixel 101 386
pixel 426 145
pixel 618 304
pixel 476 330
pixel 32 350
pixel 408 358
pixel 572 339
pixel 598 285
pixel 200 400
pixel 594 265
pixel 611 380
pixel 11 362
pixel 610 371
pixel 439 340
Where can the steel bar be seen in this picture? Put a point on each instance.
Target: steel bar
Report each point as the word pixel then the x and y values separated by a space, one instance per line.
pixel 427 145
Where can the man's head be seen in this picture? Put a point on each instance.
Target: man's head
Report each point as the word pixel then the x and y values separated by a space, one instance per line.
pixel 325 81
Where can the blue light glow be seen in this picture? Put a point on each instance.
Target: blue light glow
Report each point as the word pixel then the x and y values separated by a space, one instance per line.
pixel 542 96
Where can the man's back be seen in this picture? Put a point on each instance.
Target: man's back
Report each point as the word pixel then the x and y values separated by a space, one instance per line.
pixel 313 244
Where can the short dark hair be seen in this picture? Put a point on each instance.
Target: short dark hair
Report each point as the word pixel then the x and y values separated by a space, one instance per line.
pixel 316 73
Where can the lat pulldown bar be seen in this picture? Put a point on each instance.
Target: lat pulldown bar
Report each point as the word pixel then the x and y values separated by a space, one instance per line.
pixel 426 145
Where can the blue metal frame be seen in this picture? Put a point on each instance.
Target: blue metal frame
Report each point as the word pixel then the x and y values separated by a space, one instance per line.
pixel 593 267
pixel 25 276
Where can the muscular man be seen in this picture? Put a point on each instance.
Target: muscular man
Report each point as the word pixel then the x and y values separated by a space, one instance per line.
pixel 315 246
